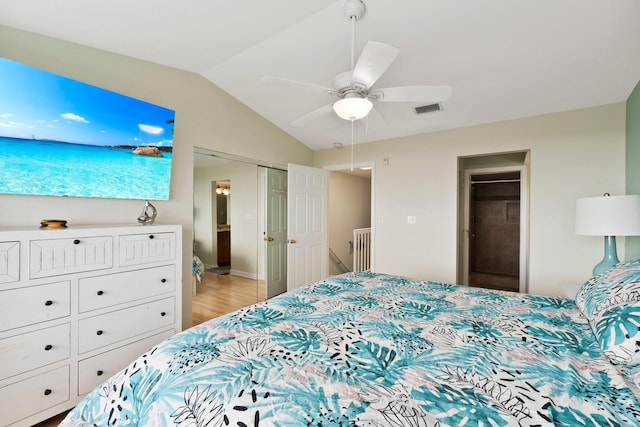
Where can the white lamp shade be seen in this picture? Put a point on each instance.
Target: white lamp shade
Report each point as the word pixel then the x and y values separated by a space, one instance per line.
pixel 352 107
pixel 608 216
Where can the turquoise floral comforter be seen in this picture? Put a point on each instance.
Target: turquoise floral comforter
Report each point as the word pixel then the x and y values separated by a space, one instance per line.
pixel 367 349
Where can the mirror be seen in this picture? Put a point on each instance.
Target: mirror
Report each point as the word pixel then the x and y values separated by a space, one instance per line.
pixel 227 230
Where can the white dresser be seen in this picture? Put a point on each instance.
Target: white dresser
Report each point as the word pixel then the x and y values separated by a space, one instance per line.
pixel 76 306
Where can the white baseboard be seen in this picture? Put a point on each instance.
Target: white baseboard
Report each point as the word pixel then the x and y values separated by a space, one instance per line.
pixel 251 276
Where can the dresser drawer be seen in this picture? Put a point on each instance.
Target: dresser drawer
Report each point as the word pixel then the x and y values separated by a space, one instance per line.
pixel 104 291
pixel 136 249
pixel 9 262
pixel 27 397
pixel 55 257
pixel 95 370
pixel 34 304
pixel 109 328
pixel 25 352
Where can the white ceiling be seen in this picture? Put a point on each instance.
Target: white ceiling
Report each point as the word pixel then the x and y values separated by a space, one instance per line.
pixel 504 59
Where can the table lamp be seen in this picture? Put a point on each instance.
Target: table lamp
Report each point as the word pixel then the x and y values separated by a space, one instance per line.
pixel 608 216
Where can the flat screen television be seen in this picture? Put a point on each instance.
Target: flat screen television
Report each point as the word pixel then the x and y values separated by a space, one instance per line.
pixel 62 137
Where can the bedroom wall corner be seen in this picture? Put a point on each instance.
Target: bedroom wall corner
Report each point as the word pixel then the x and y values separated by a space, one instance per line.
pixel 632 159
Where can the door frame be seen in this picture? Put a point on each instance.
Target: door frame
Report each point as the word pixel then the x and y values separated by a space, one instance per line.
pixel 524 220
pixel 372 165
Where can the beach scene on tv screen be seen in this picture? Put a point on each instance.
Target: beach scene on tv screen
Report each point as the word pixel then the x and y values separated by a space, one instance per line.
pixel 62 137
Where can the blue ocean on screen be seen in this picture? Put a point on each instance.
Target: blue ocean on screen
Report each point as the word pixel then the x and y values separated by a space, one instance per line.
pixel 42 167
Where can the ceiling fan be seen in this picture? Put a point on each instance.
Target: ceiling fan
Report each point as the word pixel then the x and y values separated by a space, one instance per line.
pixel 355 89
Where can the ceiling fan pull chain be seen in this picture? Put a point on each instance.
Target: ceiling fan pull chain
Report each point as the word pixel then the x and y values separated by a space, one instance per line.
pixel 352 145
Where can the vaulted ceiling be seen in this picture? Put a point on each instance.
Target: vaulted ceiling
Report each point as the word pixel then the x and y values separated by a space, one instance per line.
pixel 504 59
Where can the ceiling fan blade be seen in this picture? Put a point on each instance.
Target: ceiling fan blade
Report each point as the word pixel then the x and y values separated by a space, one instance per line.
pixel 315 114
pixel 297 83
pixel 374 60
pixel 425 94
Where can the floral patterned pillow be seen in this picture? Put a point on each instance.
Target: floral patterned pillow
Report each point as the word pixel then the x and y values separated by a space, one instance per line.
pixel 611 303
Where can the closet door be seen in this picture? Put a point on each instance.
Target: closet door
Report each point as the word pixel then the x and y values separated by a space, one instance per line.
pixel 276 232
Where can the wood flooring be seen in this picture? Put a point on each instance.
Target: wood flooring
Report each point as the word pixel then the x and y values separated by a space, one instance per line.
pixel 221 294
pixel 215 295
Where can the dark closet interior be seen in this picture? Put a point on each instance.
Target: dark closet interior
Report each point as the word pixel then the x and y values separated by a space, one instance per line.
pixel 494 231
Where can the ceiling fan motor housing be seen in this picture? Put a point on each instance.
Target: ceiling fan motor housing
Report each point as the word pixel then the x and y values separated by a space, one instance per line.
pixel 342 82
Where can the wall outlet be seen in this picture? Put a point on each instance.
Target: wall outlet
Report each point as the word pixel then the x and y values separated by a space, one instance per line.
pixel 411 219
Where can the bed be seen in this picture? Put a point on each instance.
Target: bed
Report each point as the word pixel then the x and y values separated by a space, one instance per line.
pixel 371 349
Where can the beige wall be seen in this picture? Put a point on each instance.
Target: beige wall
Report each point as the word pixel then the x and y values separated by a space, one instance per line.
pixel 206 117
pixel 349 208
pixel 573 154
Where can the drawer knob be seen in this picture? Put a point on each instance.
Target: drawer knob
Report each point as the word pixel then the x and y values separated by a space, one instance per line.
pixel 100 372
pixel 48 347
pixel 164 313
pixel 76 242
pixel 100 293
pixel 48 302
pixel 163 280
pixel 47 392
pixel 99 332
pixel 151 236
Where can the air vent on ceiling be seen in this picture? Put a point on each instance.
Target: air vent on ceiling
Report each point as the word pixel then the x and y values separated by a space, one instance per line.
pixel 428 108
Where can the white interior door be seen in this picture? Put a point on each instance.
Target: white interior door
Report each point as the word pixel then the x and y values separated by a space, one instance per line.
pixel 275 232
pixel 308 245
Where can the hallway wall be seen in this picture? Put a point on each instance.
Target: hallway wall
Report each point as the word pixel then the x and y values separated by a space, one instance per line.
pixel 349 208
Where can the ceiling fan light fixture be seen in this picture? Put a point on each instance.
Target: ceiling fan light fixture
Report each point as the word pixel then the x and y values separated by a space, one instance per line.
pixel 352 107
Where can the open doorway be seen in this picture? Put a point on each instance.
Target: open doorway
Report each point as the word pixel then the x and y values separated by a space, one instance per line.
pixel 350 219
pixel 494 231
pixel 493 221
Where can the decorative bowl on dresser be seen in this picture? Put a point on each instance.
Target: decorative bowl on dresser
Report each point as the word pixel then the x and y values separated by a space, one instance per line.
pixel 76 305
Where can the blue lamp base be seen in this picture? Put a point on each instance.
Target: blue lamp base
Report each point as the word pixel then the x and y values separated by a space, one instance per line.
pixel 610 256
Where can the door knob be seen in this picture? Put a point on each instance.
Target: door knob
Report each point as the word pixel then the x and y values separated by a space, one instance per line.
pixel 292 241
pixel 269 239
